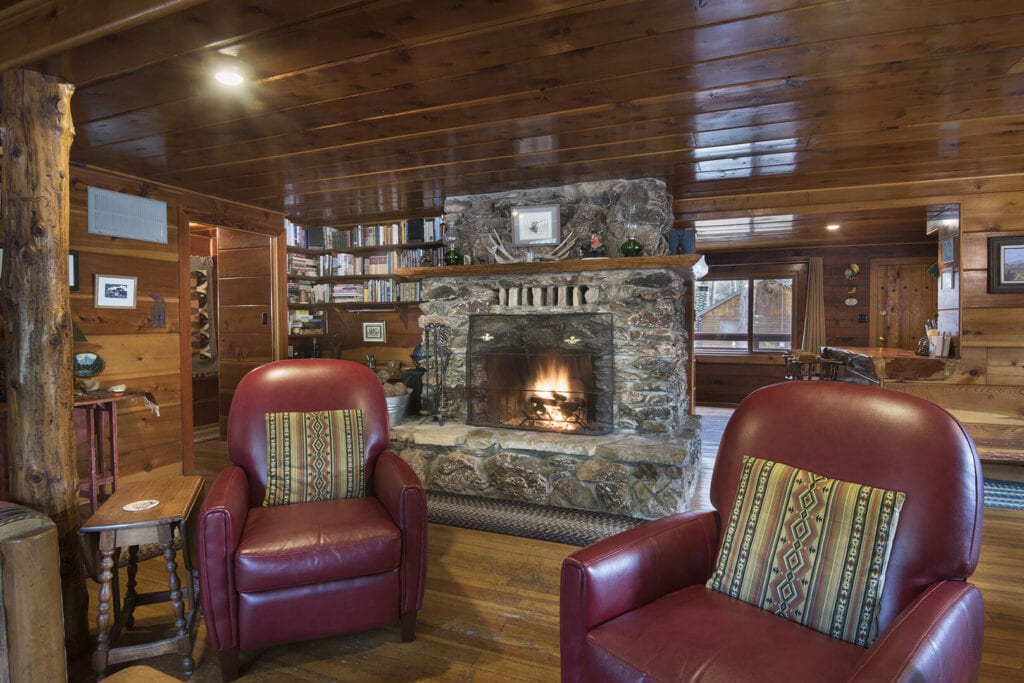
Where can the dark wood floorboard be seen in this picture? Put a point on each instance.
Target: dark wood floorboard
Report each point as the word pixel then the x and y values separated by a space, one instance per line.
pixel 490 610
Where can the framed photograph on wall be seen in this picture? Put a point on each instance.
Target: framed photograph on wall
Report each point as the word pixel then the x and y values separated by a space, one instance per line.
pixel 374 332
pixel 535 225
pixel 115 291
pixel 947 251
pixel 73 270
pixel 1006 264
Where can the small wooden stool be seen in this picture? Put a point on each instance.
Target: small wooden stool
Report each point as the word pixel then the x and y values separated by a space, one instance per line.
pixel 154 511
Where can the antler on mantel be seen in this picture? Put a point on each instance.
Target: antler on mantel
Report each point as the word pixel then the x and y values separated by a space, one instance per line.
pixel 503 255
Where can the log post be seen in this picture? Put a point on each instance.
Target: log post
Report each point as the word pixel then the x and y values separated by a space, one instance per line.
pixel 37 131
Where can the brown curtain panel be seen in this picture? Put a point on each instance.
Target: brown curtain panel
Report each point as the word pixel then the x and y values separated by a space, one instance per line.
pixel 814 319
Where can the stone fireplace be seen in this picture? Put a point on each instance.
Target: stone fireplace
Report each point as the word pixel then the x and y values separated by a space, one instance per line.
pixel 568 378
pixel 619 329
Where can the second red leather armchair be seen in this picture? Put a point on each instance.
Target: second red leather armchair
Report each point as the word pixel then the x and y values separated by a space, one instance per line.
pixel 635 607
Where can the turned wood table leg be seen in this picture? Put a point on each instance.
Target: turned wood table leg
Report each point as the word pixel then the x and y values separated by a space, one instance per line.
pixel 130 593
pixel 177 602
pixel 103 608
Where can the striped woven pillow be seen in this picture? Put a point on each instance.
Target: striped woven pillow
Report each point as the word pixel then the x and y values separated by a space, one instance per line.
pixel 314 456
pixel 808 548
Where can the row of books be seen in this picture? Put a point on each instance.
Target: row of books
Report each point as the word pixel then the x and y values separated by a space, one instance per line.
pixel 325 265
pixel 371 291
pixel 411 231
pixel 304 321
pixel 299 265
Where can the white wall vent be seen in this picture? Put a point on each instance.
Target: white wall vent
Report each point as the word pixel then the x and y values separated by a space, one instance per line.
pixel 125 215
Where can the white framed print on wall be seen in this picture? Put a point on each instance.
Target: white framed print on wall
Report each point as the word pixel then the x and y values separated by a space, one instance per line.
pixel 374 332
pixel 115 291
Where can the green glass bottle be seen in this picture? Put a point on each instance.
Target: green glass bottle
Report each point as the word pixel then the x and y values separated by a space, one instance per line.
pixel 452 257
pixel 632 246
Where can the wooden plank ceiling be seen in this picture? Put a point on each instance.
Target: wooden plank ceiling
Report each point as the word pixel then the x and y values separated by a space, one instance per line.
pixel 361 110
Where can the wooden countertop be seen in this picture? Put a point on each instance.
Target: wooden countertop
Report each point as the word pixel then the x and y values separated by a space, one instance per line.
pixel 878 352
pixel 898 364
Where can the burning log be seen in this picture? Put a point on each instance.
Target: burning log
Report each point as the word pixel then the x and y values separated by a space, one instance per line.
pixel 557 411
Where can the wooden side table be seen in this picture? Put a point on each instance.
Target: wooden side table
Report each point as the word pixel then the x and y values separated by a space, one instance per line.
pixel 138 513
pixel 100 424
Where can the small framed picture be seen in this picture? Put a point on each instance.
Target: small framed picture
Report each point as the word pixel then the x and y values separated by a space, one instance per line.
pixel 374 332
pixel 115 291
pixel 535 225
pixel 1005 264
pixel 947 251
pixel 73 270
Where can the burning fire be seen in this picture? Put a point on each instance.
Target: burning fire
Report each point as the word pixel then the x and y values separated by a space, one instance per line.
pixel 555 400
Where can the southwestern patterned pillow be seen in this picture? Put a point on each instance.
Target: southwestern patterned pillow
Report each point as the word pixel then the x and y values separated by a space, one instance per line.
pixel 314 456
pixel 808 548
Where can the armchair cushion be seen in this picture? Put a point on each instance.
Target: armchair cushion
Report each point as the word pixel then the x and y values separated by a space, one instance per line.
pixel 297 545
pixel 314 456
pixel 808 548
pixel 700 634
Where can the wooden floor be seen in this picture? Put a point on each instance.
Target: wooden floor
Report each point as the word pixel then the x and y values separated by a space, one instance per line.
pixel 490 610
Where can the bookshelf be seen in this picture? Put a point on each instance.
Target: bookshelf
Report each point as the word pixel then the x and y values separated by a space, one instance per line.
pixel 351 270
pixel 355 266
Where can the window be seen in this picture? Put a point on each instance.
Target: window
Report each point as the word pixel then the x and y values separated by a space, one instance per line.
pixel 747 314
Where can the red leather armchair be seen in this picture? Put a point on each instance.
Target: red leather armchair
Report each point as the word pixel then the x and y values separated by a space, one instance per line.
pixel 273 575
pixel 634 606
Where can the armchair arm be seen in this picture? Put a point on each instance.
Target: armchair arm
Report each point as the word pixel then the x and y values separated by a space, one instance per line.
pixel 220 526
pixel 936 638
pixel 633 568
pixel 401 493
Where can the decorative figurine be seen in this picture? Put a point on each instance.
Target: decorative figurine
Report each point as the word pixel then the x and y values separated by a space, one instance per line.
pixel 596 248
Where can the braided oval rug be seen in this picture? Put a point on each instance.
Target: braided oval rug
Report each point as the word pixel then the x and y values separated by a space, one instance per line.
pixel 543 522
pixel 1000 493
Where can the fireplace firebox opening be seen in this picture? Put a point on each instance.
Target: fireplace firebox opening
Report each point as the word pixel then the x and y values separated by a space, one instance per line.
pixel 541 372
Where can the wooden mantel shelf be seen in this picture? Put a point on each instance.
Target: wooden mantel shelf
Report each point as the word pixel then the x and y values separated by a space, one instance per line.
pixel 687 266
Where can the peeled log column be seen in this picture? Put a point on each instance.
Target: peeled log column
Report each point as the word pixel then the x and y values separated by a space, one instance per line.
pixel 37 132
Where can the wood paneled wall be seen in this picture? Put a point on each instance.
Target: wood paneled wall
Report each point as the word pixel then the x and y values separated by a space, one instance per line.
pixel 137 352
pixel 346 331
pixel 987 391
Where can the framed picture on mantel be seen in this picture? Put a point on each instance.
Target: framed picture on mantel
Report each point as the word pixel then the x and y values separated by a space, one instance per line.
pixel 535 225
pixel 1006 264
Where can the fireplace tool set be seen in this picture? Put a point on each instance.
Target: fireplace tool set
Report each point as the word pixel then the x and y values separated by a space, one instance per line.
pixel 438 338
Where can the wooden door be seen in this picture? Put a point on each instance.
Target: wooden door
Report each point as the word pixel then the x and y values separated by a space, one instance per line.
pixel 245 324
pixel 903 296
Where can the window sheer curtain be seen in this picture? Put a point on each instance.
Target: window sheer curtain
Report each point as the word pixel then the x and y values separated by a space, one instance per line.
pixel 814 317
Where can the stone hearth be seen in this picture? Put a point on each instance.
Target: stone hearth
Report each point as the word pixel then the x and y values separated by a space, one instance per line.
pixel 631 474
pixel 647 465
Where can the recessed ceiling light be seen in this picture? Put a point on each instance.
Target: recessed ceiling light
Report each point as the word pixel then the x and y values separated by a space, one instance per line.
pixel 832 226
pixel 231 75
